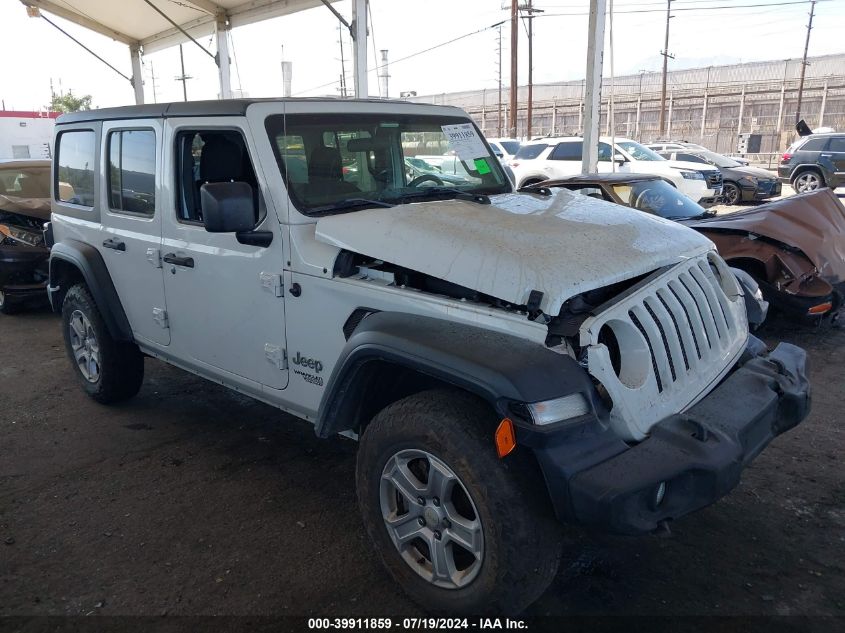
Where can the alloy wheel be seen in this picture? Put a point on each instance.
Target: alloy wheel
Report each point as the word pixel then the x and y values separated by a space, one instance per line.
pixel 731 194
pixel 431 519
pixel 86 349
pixel 808 181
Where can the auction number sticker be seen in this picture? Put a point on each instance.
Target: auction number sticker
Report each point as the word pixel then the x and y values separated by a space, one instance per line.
pixel 465 141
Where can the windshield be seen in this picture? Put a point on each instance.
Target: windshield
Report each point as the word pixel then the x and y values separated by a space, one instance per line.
pixel 342 162
pixel 511 147
pixel 718 159
pixel 639 152
pixel 658 197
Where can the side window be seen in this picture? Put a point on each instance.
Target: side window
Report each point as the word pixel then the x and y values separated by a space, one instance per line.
pixel 132 167
pixel 814 145
pixel 209 156
pixel 605 153
pixel 837 144
pixel 529 152
pixel 75 161
pixel 692 158
pixel 569 150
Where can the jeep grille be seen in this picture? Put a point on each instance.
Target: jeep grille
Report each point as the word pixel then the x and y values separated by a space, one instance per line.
pixel 660 348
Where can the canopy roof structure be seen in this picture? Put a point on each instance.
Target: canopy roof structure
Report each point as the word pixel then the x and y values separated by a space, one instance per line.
pixel 147 26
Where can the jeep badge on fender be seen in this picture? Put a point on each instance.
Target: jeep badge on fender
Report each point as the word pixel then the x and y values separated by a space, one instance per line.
pixel 308 362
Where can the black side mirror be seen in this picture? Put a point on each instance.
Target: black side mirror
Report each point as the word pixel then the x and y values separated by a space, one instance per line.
pixel 227 207
pixel 619 159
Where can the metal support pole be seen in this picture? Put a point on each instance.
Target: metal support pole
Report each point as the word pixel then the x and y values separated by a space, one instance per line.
pixel 639 112
pixel 221 34
pixel 741 113
pixel 137 78
pixel 703 116
pixel 514 85
pixel 554 117
pixel 669 124
pixel 824 103
pixel 592 111
pixel 359 52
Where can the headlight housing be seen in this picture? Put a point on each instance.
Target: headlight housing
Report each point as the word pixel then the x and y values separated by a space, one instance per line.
pixel 691 175
pixel 751 180
pixel 566 408
pixel 15 235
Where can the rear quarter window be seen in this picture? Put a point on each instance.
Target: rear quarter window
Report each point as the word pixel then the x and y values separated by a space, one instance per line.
pixel 75 154
pixel 814 145
pixel 528 152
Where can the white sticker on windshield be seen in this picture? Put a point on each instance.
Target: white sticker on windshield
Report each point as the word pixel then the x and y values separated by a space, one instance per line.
pixel 465 141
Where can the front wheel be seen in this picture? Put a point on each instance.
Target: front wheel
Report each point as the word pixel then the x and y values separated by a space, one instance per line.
pixel 731 193
pixel 109 370
pixel 460 530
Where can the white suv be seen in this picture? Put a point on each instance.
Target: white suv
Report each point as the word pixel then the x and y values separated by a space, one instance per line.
pixel 506 360
pixel 546 158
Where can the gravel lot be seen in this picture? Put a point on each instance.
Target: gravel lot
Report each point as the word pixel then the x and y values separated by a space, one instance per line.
pixel 191 499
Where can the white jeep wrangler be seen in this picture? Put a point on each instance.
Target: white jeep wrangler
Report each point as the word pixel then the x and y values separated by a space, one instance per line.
pixel 507 361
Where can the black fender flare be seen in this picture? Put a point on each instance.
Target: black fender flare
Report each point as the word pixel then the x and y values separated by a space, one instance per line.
pixel 500 368
pixel 89 262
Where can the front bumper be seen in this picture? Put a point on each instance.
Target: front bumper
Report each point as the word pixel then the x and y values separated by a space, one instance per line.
pixel 698 456
pixel 22 266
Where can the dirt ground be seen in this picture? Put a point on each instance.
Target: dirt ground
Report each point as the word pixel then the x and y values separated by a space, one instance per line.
pixel 191 499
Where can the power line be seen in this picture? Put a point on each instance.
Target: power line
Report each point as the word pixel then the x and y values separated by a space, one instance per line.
pixel 707 8
pixel 412 55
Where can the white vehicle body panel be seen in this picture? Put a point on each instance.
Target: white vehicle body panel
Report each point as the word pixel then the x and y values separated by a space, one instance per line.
pixel 561 246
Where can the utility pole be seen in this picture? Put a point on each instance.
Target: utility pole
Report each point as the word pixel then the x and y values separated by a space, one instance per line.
pixel 514 50
pixel 342 63
pixel 153 82
pixel 666 56
pixel 530 10
pixel 183 77
pixel 592 83
pixel 804 62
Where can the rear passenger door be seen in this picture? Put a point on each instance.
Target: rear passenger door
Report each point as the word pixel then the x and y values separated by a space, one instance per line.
pixel 131 211
pixel 564 160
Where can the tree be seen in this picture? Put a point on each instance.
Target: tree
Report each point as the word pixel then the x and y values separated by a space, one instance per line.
pixel 69 102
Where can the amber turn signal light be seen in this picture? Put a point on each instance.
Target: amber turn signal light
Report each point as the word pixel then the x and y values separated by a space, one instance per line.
pixel 822 308
pixel 505 438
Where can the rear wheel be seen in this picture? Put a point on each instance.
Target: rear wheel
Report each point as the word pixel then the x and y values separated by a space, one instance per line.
pixel 460 530
pixel 808 181
pixel 109 370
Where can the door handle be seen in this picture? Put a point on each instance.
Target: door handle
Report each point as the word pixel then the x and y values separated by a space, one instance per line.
pixel 114 244
pixel 825 155
pixel 171 258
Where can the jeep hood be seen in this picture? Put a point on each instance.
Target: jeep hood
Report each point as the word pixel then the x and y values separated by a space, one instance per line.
pixel 561 245
pixel 813 222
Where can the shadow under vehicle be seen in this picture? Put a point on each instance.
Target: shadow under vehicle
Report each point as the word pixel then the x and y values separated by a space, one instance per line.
pixel 794 248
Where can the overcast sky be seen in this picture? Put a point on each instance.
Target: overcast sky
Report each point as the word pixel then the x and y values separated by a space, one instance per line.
pixel 714 31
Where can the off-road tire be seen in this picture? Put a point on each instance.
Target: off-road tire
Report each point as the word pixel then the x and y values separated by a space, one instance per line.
pixel 121 367
pixel 522 540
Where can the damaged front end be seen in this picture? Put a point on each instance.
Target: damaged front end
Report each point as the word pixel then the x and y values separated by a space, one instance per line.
pixel 794 248
pixel 23 260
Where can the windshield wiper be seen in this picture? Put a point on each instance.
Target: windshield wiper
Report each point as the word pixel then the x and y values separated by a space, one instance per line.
pixel 349 205
pixel 480 198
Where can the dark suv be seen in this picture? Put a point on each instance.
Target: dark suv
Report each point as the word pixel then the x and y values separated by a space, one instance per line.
pixel 813 162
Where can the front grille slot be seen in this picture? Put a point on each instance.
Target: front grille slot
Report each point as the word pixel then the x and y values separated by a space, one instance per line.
pixel 682 333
